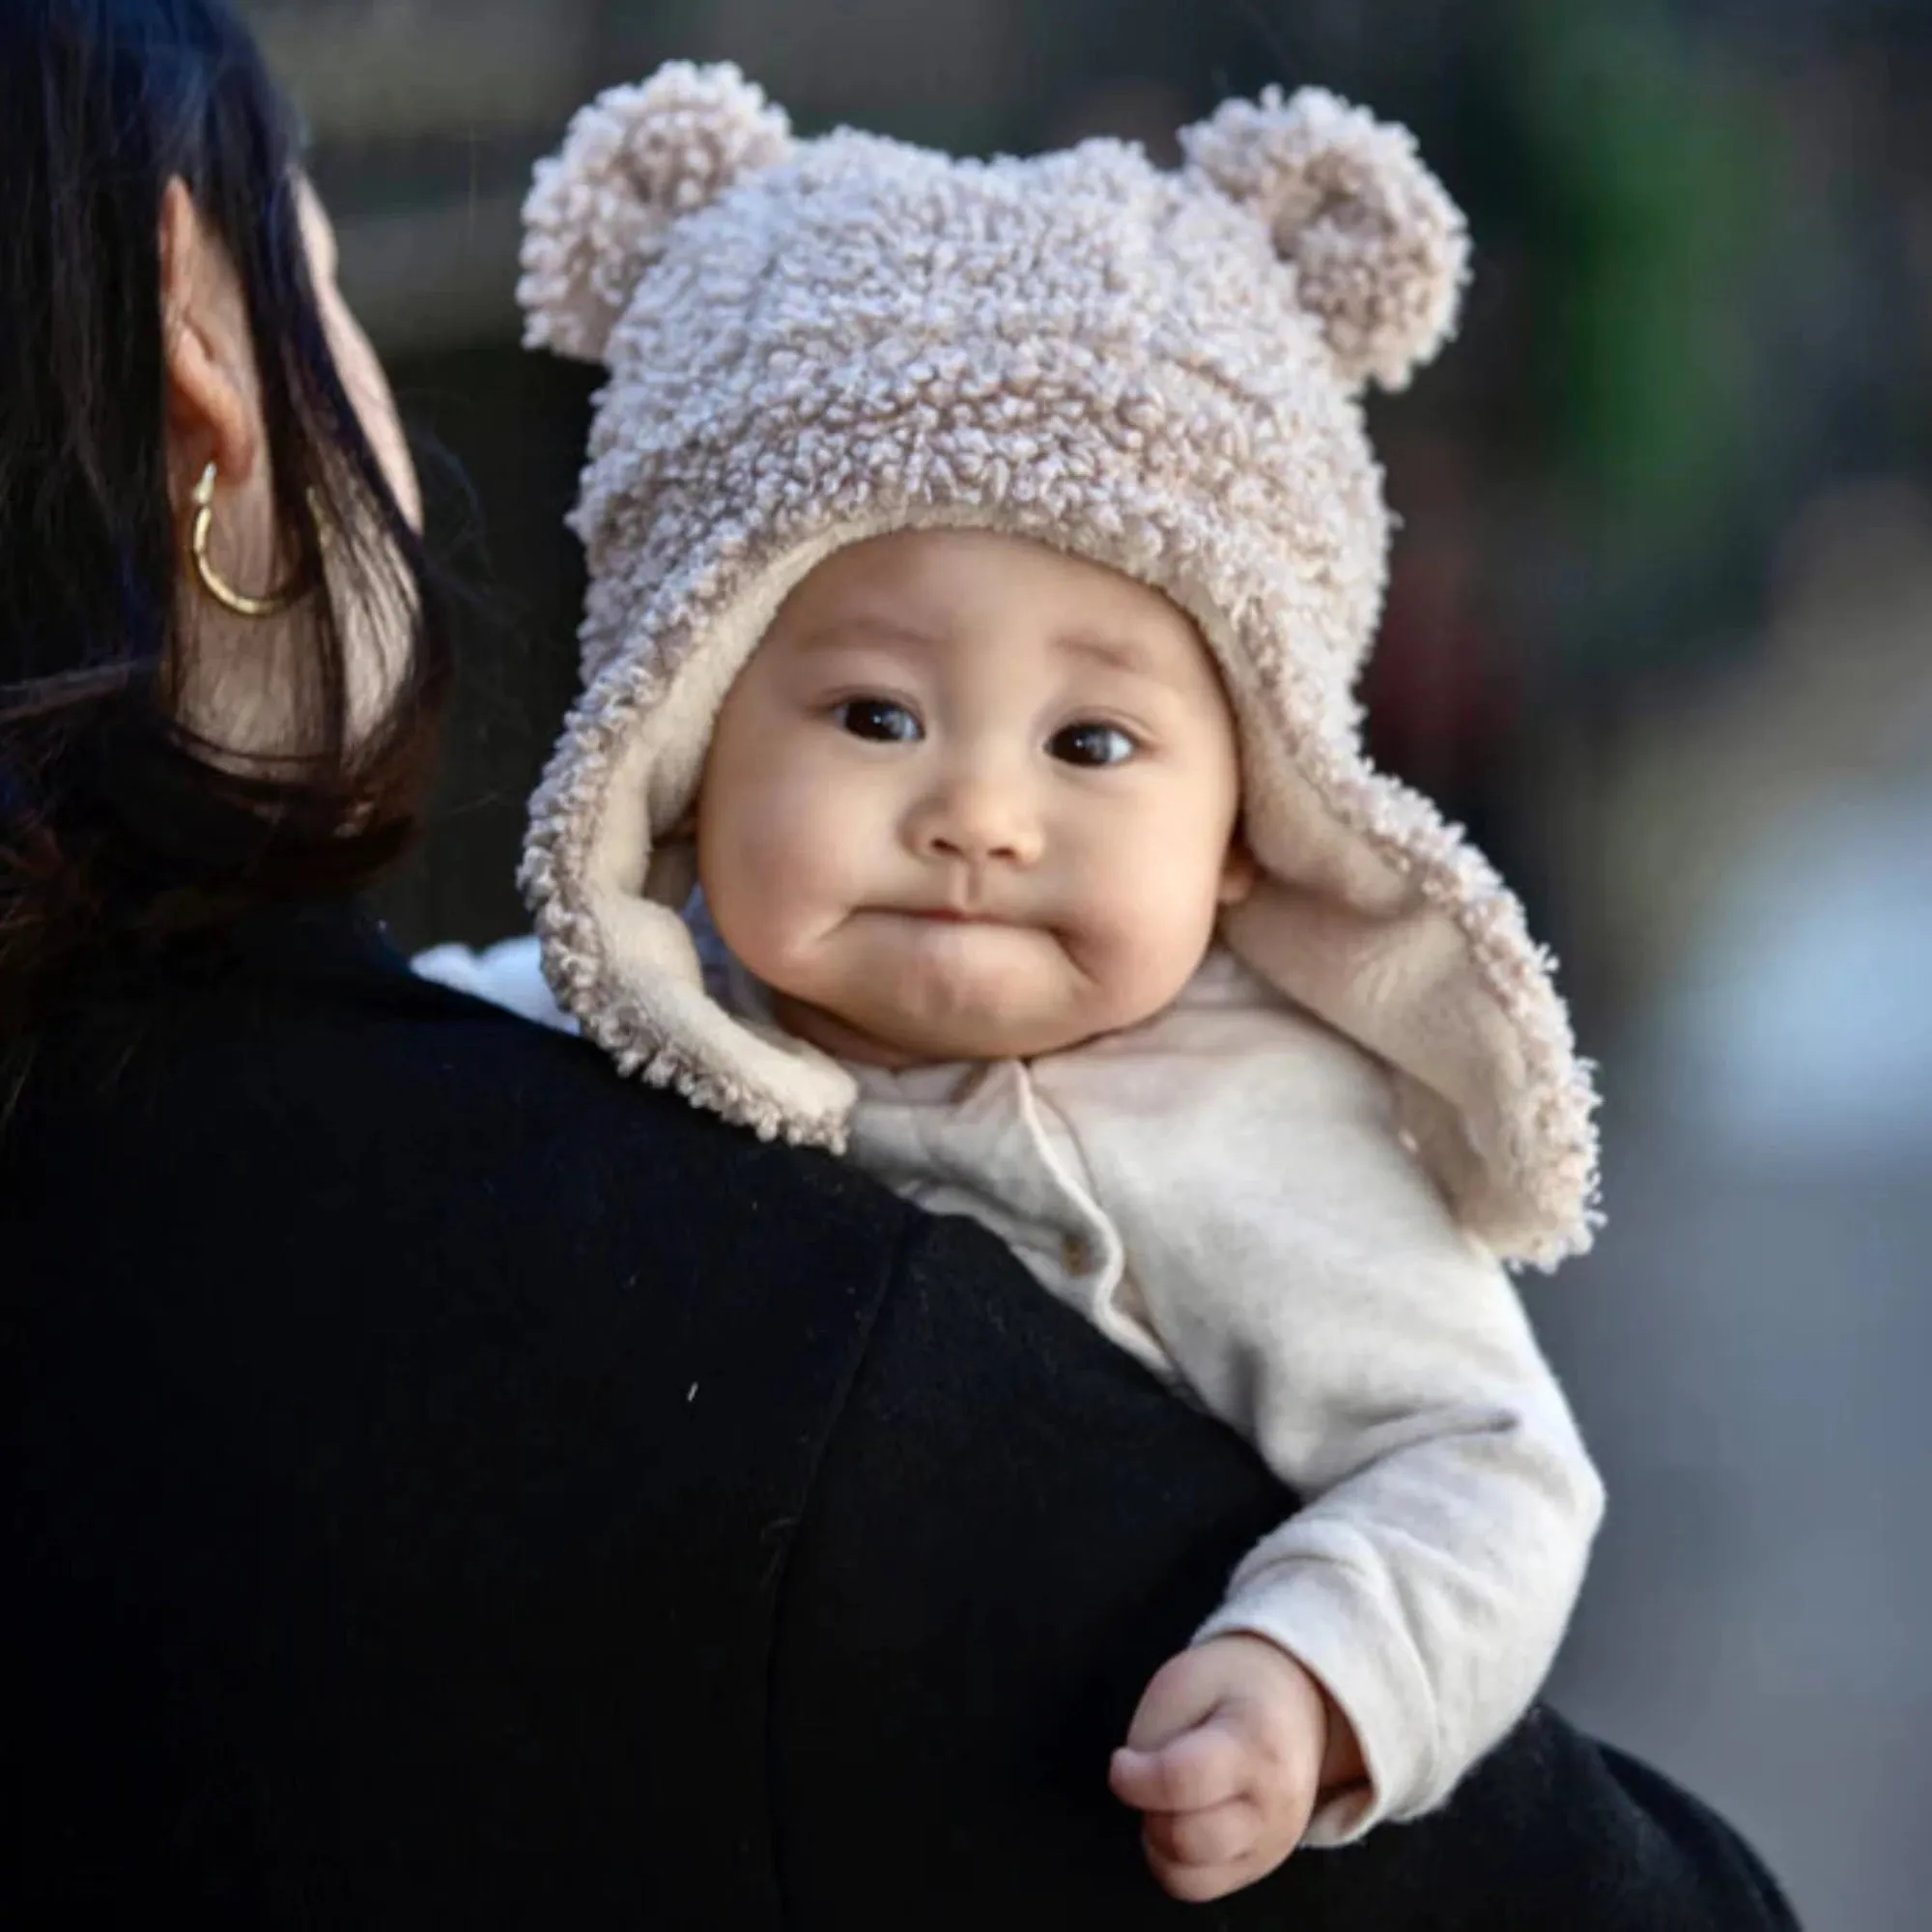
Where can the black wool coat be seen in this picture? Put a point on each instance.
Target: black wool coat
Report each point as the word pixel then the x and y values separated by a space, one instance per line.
pixel 448 1486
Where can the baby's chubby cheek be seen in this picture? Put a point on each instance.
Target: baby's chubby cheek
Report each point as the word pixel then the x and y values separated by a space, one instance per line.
pixel 774 891
pixel 745 893
pixel 1139 956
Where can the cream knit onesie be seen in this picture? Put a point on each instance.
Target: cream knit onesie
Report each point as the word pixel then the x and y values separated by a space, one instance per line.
pixel 1222 1192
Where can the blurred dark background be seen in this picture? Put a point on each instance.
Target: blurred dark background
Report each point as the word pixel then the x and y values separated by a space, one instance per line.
pixel 1659 633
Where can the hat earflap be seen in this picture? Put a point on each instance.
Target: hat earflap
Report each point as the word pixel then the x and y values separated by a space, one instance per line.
pixel 634 160
pixel 1378 250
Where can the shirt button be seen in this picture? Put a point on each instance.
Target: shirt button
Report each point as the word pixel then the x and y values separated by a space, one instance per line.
pixel 1077 1255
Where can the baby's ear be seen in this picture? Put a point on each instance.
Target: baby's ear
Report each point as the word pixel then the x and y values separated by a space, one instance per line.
pixel 1240 873
pixel 1379 251
pixel 634 160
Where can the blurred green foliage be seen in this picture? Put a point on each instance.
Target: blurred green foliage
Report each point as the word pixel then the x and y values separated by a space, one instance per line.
pixel 1654 204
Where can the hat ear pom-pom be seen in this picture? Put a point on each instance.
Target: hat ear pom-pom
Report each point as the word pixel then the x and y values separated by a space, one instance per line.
pixel 1379 249
pixel 634 160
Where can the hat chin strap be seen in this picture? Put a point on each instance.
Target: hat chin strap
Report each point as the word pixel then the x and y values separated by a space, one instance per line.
pixel 1401 988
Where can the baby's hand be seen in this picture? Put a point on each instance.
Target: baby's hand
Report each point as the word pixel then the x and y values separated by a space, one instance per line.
pixel 1225 1756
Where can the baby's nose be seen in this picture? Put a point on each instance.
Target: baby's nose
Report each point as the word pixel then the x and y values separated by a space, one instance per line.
pixel 976 819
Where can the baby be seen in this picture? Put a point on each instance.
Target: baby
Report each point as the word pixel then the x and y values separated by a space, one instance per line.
pixel 981 557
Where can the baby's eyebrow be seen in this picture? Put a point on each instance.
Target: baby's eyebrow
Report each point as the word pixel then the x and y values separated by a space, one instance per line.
pixel 1115 653
pixel 842 630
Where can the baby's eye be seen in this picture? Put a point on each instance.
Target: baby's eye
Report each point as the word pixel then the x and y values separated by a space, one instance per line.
pixel 1091 745
pixel 880 720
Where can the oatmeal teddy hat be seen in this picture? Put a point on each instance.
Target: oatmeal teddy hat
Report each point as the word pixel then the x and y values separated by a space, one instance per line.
pixel 812 342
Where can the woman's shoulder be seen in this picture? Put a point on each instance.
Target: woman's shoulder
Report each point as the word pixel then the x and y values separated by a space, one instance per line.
pixel 315 1063
pixel 447 1385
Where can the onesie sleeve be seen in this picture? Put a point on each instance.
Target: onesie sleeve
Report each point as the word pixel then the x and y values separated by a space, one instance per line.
pixel 507 975
pixel 1310 1287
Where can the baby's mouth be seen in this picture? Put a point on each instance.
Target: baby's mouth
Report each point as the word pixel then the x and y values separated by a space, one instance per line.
pixel 951 916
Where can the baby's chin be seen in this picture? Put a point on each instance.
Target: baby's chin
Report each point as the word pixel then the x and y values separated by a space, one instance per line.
pixel 921 1041
pixel 906 1032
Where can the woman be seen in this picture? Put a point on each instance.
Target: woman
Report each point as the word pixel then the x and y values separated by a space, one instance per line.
pixel 445 1484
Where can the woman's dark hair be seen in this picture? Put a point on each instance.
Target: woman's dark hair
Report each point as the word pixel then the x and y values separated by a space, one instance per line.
pixel 117 830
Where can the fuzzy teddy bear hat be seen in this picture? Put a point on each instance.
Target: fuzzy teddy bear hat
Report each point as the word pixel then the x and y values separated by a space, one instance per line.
pixel 813 342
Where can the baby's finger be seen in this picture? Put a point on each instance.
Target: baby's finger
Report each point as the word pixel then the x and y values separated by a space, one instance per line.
pixel 1201 1767
pixel 1224 1834
pixel 1181 1694
pixel 1194 1884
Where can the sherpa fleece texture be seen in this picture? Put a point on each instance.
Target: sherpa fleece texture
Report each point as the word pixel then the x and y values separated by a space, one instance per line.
pixel 813 342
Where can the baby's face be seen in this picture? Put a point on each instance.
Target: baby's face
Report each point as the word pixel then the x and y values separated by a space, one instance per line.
pixel 972 798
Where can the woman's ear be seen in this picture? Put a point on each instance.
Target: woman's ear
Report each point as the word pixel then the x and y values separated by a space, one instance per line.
pixel 1240 873
pixel 214 394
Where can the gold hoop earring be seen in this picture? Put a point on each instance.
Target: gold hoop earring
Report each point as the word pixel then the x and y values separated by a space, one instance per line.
pixel 212 582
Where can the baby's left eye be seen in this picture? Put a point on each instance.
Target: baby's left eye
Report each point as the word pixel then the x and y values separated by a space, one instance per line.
pixel 1091 745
